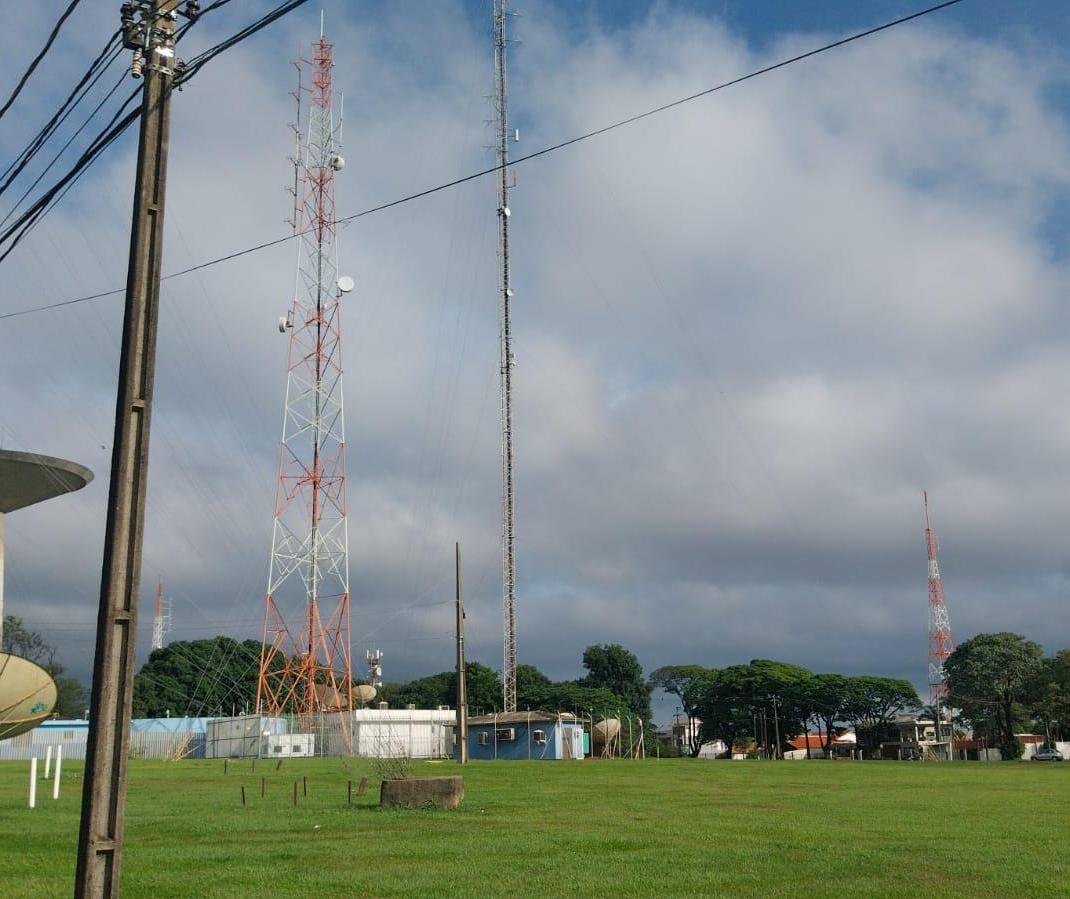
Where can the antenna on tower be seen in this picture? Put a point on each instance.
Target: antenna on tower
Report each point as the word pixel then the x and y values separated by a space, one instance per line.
pixel 506 359
pixel 308 669
pixel 941 643
pixel 161 620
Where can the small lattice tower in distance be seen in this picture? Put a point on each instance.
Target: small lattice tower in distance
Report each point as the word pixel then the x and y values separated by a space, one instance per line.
pixel 161 620
pixel 305 663
pixel 940 642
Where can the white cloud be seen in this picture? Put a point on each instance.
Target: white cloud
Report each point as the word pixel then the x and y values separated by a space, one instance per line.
pixel 749 332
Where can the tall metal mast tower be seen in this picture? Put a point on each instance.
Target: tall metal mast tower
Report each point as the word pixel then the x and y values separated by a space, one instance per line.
pixel 309 669
pixel 940 641
pixel 161 620
pixel 506 359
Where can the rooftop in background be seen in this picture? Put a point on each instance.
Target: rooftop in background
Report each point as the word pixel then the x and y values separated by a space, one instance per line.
pixel 521 717
pixel 29 478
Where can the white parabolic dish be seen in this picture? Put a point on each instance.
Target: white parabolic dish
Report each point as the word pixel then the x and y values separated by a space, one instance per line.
pixel 27 695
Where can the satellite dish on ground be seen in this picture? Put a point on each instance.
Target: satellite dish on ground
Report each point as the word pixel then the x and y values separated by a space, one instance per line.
pixel 605 731
pixel 346 284
pixel 27 695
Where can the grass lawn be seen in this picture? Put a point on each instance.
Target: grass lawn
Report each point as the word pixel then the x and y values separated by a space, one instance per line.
pixel 653 828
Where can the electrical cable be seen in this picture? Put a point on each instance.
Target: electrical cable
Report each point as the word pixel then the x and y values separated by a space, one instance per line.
pixel 15 232
pixel 63 149
pixel 37 59
pixel 513 162
pixel 110 53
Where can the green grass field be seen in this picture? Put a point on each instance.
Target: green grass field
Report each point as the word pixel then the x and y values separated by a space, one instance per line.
pixel 653 828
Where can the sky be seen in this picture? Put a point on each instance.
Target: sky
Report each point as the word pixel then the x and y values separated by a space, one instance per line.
pixel 749 332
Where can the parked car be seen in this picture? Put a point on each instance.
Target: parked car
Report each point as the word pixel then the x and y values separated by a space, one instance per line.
pixel 1048 755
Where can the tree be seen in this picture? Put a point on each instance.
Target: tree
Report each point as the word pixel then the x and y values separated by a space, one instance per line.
pixel 196 677
pixel 71 695
pixel 483 686
pixel 680 680
pixel 618 670
pixel 1050 695
pixel 19 640
pixel 723 701
pixel 828 697
pixel 989 675
pixel 786 691
pixel 530 682
pixel 872 703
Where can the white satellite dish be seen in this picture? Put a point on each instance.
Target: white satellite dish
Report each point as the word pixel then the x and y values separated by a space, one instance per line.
pixel 282 324
pixel 505 211
pixel 346 284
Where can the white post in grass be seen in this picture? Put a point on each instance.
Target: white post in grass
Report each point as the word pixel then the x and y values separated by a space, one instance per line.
pixel 48 762
pixel 33 781
pixel 55 780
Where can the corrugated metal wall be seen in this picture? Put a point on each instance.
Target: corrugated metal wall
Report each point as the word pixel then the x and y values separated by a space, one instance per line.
pixel 142 746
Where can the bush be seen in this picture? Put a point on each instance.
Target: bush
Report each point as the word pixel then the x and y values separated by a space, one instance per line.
pixel 1012 750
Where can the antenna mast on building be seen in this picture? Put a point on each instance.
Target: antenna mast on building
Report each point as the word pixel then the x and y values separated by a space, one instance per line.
pixel 506 360
pixel 940 641
pixel 309 669
pixel 161 621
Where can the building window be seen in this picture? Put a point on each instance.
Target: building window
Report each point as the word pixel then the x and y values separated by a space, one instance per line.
pixel 503 734
pixel 483 738
pixel 539 736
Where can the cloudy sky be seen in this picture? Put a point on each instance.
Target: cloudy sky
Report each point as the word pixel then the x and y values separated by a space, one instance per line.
pixel 749 331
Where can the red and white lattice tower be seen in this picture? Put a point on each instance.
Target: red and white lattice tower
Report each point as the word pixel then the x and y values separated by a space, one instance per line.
pixel 305 664
pixel 940 641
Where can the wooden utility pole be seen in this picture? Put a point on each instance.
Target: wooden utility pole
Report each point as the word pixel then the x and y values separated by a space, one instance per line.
pixel 462 691
pixel 100 839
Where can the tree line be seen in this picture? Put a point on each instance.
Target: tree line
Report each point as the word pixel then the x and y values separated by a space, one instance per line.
pixel 766 702
pixel 218 676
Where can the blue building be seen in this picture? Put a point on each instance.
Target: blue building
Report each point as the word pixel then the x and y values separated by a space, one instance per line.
pixel 525 735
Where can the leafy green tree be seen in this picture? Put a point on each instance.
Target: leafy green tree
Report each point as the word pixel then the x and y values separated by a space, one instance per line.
pixel 786 691
pixel 723 700
pixel 576 696
pixel 1050 695
pixel 872 703
pixel 72 697
pixel 483 686
pixel 217 676
pixel 680 680
pixel 828 698
pixel 990 675
pixel 618 670
pixel 530 683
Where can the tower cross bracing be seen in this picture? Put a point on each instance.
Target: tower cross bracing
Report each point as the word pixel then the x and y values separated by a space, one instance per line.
pixel 305 663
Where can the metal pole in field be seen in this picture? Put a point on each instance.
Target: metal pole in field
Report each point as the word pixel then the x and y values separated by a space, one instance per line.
pixel 462 692
pixel 33 781
pixel 100 838
pixel 59 765
pixel 48 762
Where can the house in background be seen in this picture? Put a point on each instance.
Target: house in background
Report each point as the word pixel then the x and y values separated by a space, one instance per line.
pixel 525 735
pixel 843 746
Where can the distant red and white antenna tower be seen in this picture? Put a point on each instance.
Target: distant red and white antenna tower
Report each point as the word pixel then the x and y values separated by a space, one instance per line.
pixel 307 668
pixel 940 642
pixel 161 620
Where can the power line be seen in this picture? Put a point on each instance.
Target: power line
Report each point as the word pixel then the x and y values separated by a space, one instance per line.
pixel 37 59
pixel 513 162
pixel 106 57
pixel 15 232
